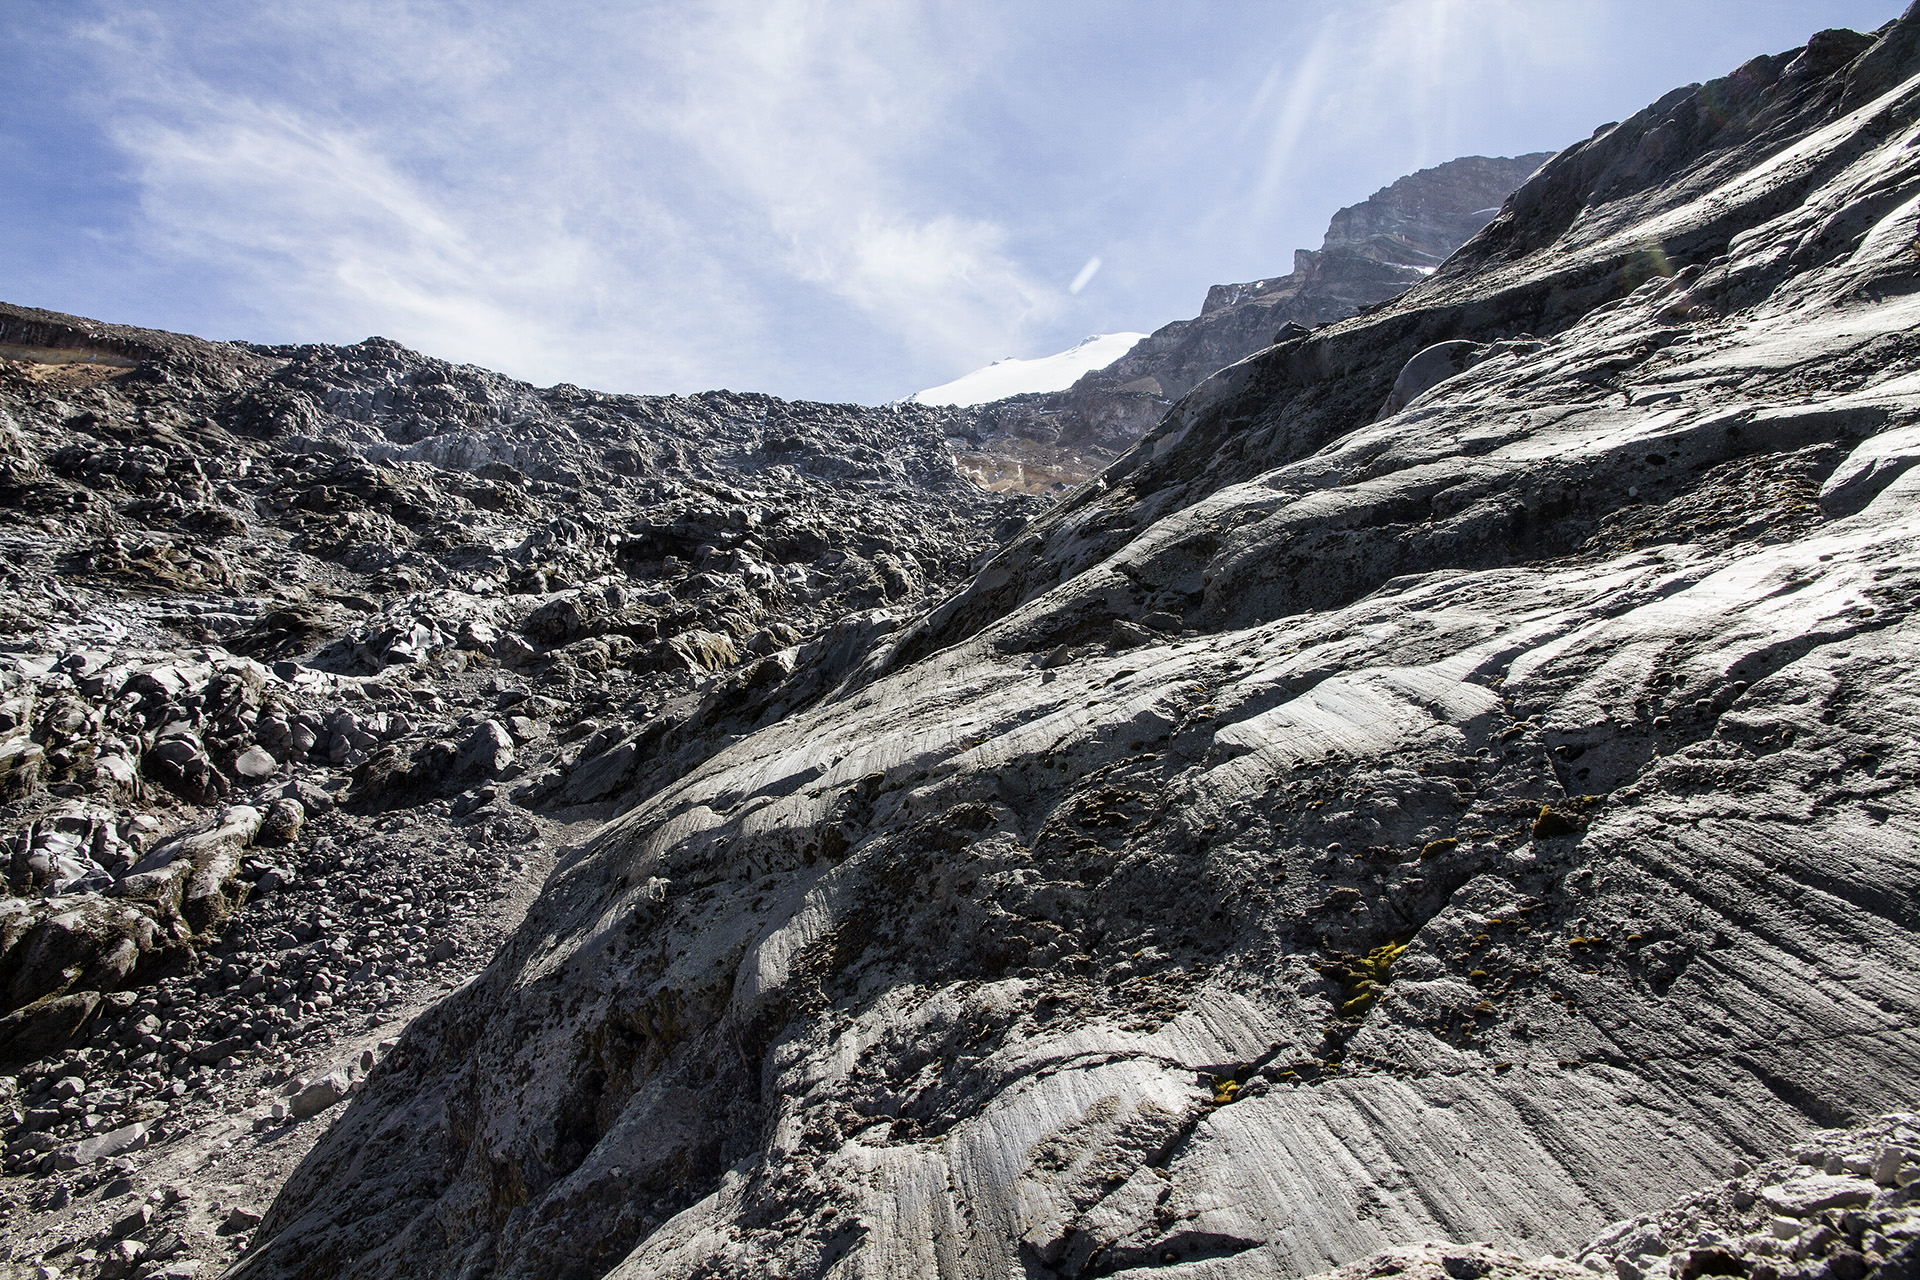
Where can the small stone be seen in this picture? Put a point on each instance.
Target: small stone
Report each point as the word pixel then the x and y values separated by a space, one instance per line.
pixel 165 1247
pixel 135 1221
pixel 478 635
pixel 1814 1244
pixel 512 651
pixel 111 1143
pixel 1847 1264
pixel 255 762
pixel 445 949
pixel 1886 1166
pixel 318 1096
pixel 487 750
pixel 239 1219
pixel 282 822
pixel 1646 1240
pixel 209 1054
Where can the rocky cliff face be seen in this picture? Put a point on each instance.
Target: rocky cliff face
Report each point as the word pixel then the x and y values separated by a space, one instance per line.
pixel 1486 813
pixel 1373 251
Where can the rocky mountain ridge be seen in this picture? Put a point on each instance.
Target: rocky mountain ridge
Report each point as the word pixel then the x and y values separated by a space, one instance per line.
pixel 1373 251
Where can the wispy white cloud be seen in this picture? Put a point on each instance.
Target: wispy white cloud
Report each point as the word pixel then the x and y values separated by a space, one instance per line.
pixel 751 150
pixel 848 198
pixel 811 112
pixel 354 222
pixel 325 224
pixel 1404 77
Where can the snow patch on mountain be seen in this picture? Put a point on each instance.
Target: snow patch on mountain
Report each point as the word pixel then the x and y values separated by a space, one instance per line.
pixel 1014 377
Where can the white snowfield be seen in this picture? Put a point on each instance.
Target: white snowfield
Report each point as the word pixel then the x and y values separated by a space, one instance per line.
pixel 1016 377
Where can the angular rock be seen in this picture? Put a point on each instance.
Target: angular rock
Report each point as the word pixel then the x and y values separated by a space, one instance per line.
pixel 239 1219
pixel 1804 1197
pixel 21 759
pixel 699 650
pixel 282 822
pixel 209 1054
pixel 602 775
pixel 318 1096
pixel 513 651
pixel 111 1143
pixel 487 751
pixel 255 763
pixel 132 1222
pixel 44 1026
pixel 214 857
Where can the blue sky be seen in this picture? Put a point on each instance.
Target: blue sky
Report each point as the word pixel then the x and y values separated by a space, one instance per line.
pixel 833 199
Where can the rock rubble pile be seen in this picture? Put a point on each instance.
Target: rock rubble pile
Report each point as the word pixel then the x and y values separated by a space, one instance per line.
pixel 1841 1207
pixel 313 656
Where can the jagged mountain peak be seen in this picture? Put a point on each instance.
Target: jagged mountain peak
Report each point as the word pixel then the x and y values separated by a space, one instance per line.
pixel 1373 251
pixel 1420 219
